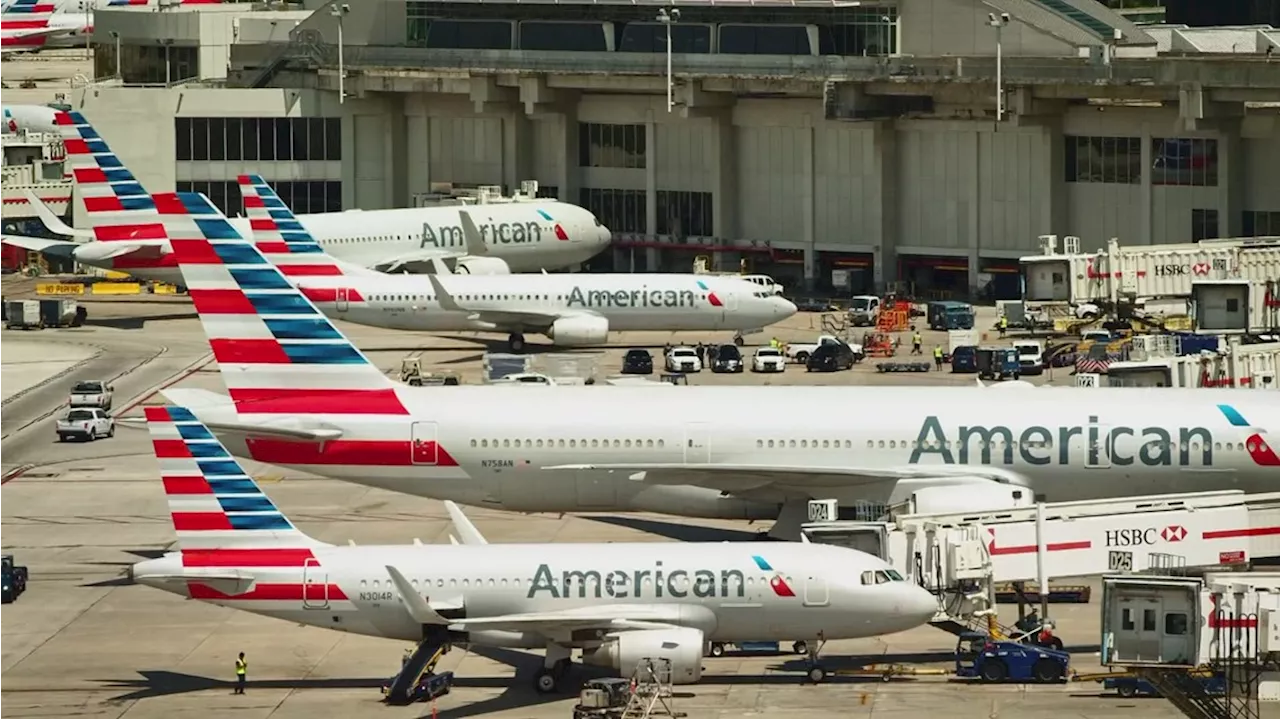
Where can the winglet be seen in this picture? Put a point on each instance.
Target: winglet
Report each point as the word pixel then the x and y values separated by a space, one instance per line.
pixel 421 612
pixel 52 222
pixel 471 235
pixel 446 300
pixel 468 531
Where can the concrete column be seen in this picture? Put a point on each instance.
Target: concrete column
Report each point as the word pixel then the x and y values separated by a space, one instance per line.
pixel 1057 199
pixel 724 176
pixel 567 178
pixel 1231 178
pixel 886 161
pixel 395 185
pixel 349 153
pixel 808 230
pixel 651 176
pixel 1145 200
pixel 973 197
pixel 517 148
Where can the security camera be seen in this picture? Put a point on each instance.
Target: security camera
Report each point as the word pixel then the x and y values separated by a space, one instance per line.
pixel 991 18
pixel 1004 17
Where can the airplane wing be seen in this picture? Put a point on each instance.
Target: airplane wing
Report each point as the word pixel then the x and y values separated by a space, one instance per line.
pixel 470 535
pixel 474 246
pixel 747 477
pixel 525 318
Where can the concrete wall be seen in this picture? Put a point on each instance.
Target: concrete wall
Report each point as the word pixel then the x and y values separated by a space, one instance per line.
pixel 1260 145
pixel 959 27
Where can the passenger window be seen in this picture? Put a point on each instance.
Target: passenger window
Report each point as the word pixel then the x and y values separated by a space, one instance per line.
pixel 618 443
pixel 804 444
pixel 793 444
pixel 561 443
pixel 484 443
pixel 870 444
pixel 572 443
pixel 627 444
pixel 595 443
pixel 1175 624
pixel 882 444
pixel 826 444
pixel 473 443
pixel 539 443
pixel 660 443
pixel 759 443
pixel 506 443
pixel 770 444
pixel 517 444
pixel 649 443
pixel 893 444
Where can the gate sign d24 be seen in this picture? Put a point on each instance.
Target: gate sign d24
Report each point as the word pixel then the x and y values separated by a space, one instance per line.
pixel 1120 561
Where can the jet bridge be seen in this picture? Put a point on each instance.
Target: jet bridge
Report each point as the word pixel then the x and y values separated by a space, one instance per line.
pixel 961 556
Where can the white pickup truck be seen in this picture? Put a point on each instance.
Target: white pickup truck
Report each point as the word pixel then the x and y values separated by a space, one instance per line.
pixel 91 393
pixel 87 424
pixel 799 353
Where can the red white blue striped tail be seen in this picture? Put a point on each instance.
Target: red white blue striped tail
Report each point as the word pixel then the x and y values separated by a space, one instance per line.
pixel 212 501
pixel 119 207
pixel 281 237
pixel 277 352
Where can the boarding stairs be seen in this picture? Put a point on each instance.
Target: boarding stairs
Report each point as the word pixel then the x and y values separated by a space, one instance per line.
pixel 419 664
pixel 1187 693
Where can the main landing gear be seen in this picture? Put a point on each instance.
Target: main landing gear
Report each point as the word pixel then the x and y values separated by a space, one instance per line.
pixel 739 340
pixel 555 668
pixel 515 342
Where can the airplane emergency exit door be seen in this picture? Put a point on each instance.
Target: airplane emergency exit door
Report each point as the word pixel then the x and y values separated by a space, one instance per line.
pixel 424 448
pixel 697 443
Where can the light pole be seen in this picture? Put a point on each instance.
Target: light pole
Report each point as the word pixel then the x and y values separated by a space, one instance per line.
pixel 998 22
pixel 168 75
pixel 669 18
pixel 888 26
pixel 340 11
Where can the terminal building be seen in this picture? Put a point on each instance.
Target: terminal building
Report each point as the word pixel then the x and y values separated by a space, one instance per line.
pixel 837 146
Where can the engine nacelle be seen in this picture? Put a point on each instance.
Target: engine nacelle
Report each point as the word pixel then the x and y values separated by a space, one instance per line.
pixel 580 330
pixel 471 265
pixel 623 651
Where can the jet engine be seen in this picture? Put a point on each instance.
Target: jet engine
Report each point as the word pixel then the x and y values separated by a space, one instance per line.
pixel 580 330
pixel 472 265
pixel 624 650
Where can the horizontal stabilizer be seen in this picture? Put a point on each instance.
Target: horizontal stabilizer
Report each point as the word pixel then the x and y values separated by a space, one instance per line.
pixel 40 244
pixel 259 430
pixel 229 583
pixel 421 612
pixel 470 535
pixel 50 220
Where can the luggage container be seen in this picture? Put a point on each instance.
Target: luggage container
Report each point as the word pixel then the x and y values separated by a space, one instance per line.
pixel 61 313
pixel 22 314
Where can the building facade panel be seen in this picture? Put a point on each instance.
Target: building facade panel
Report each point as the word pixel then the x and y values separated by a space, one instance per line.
pixel 938 187
pixel 846 185
pixel 1185 214
pixel 773 183
pixel 684 153
pixel 1015 187
pixel 550 155
pixel 1261 189
pixel 466 149
pixel 1097 212
pixel 959 27
pixel 368 149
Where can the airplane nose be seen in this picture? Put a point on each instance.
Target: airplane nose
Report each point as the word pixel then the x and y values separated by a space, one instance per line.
pixel 917 605
pixel 605 236
pixel 784 307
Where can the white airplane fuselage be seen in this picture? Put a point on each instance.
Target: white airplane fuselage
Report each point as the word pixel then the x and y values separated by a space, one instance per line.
pixel 808 590
pixel 526 236
pixel 598 302
pixel 492 446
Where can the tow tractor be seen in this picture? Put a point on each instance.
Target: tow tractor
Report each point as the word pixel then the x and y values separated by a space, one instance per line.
pixel 718 649
pixel 15 579
pixel 1000 660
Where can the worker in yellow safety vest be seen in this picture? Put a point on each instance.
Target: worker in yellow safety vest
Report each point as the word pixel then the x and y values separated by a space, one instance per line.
pixel 916 342
pixel 242 668
pixel 1004 325
pixel 937 356
pixel 774 343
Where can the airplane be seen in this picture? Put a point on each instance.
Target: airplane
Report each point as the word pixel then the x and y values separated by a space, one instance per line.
pixel 526 235
pixel 33 118
pixel 571 309
pixel 618 603
pixel 303 397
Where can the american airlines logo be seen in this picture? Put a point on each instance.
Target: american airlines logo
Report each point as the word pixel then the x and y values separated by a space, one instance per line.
pixel 637 584
pixel 501 233
pixel 632 298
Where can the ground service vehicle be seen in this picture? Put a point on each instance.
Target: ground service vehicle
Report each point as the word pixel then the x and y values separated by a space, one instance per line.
pixel 1131 686
pixel 998 363
pixel 831 357
pixel 637 361
pixel 950 316
pixel 430 686
pixel 1030 356
pixel 603 698
pixel 22 314
pixel 799 353
pixel 769 359
pixel 717 649
pixel 864 310
pixel 995 660
pixel 683 359
pixel 91 393
pixel 87 424
pixel 964 359
pixel 728 358
pixel 14 577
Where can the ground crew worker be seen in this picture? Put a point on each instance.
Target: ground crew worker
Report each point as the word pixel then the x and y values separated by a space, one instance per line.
pixel 916 342
pixel 242 667
pixel 937 356
pixel 773 342
pixel 1004 325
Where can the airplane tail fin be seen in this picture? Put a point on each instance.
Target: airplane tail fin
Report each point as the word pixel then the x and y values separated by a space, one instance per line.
pixel 283 240
pixel 119 207
pixel 213 502
pixel 277 353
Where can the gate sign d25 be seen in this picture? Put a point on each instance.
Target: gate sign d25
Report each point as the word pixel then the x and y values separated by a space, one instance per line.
pixel 1120 561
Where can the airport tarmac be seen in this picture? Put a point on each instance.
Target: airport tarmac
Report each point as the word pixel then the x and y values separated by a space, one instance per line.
pixel 77 514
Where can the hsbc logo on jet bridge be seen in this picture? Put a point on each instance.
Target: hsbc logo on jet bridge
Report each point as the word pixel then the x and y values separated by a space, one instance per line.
pixel 1136 537
pixel 1045 445
pixel 637 584
pixel 502 233
pixel 632 298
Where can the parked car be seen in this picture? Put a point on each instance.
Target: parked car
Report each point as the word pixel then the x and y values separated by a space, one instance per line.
pixel 964 359
pixel 683 359
pixel 728 358
pixel 831 357
pixel 769 359
pixel 810 304
pixel 92 393
pixel 637 361
pixel 800 352
pixel 87 424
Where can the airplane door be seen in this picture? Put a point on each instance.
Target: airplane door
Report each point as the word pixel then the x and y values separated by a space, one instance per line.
pixel 424 448
pixel 340 297
pixel 1098 452
pixel 315 585
pixel 697 443
pixel 816 593
pixel 730 303
pixel 1135 630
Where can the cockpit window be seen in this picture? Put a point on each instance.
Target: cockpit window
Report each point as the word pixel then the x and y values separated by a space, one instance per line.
pixel 895 576
pixel 868 578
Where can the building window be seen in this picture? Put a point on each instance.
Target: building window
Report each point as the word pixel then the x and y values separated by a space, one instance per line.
pixel 550 192
pixel 1184 162
pixel 1260 223
pixel 861 32
pixel 684 214
pixel 619 210
pixel 262 138
pixel 146 64
pixel 1116 160
pixel 303 197
pixel 1204 225
pixel 601 145
pixel 417 21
